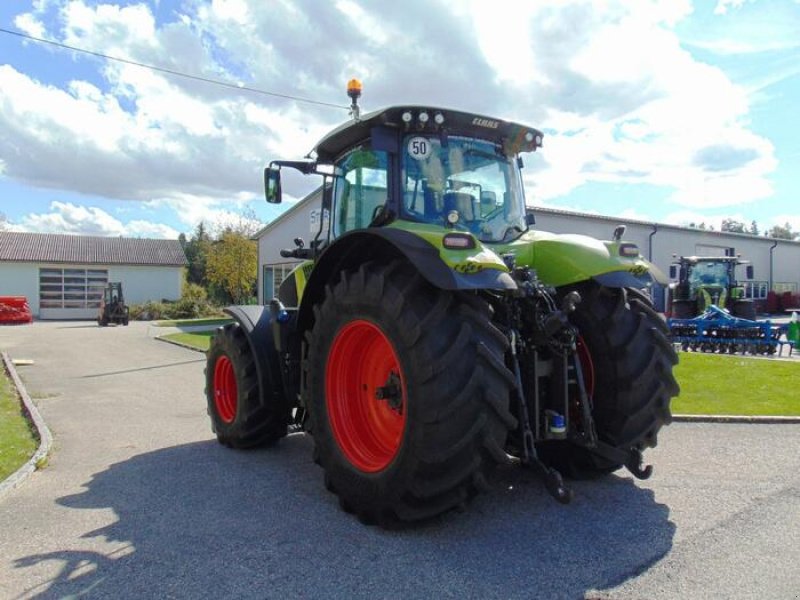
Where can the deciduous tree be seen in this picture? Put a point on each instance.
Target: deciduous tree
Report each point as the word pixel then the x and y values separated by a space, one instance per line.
pixel 232 265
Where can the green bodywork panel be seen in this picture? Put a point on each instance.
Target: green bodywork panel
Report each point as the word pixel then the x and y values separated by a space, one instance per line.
pixel 462 261
pixel 563 259
pixel 559 259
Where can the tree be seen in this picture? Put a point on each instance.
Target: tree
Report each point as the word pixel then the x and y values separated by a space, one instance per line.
pixel 3 222
pixel 197 250
pixel 232 265
pixel 753 228
pixel 782 232
pixel 733 226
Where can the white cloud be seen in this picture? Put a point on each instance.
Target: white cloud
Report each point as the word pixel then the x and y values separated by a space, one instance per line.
pixel 66 217
pixel 723 6
pixel 622 99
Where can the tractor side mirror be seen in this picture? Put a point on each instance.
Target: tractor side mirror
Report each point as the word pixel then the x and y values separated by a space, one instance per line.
pixel 749 271
pixel 272 185
pixel 673 271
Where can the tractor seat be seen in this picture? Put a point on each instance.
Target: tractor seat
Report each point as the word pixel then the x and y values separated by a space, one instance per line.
pixel 461 202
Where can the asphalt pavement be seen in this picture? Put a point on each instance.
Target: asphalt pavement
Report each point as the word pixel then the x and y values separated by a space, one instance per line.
pixel 139 501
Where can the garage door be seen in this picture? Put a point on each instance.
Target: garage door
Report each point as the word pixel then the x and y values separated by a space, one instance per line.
pixel 70 293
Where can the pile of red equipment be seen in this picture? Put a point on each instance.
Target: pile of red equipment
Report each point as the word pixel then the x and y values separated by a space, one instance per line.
pixel 14 310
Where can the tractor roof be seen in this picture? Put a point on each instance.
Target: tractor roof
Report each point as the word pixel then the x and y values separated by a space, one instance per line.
pixel 514 137
pixel 697 259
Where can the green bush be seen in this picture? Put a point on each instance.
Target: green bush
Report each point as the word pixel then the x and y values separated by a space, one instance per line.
pixel 193 304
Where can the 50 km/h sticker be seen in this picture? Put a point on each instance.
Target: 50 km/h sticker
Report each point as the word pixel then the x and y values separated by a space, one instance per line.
pixel 419 148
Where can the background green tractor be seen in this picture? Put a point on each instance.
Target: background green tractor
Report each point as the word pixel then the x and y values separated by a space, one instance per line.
pixel 430 334
pixel 700 281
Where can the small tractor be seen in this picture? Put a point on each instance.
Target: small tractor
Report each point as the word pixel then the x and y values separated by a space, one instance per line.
pixel 430 334
pixel 700 281
pixel 112 306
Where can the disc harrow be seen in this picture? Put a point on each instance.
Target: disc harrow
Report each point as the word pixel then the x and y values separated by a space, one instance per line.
pixel 716 330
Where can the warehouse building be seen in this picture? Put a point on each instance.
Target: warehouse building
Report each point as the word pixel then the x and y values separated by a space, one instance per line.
pixel 776 262
pixel 63 276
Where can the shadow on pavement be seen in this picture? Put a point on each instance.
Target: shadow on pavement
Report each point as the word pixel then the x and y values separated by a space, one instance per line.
pixel 202 521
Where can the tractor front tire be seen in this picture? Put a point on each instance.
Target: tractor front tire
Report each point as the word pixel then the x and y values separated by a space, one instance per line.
pixel 631 358
pixel 408 394
pixel 744 309
pixel 242 415
pixel 684 309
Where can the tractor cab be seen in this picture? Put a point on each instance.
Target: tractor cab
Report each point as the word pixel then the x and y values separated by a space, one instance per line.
pixel 421 165
pixel 699 282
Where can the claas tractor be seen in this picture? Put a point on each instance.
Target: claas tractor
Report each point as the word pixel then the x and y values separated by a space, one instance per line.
pixel 429 334
pixel 112 306
pixel 700 281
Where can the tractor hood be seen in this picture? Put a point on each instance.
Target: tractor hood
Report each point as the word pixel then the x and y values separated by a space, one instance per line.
pixel 563 259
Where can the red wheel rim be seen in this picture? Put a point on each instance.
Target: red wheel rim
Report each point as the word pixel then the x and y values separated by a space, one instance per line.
pixel 365 395
pixel 587 366
pixel 225 391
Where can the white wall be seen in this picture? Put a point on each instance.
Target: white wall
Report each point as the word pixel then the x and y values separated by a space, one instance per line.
pixel 280 234
pixel 140 284
pixel 20 279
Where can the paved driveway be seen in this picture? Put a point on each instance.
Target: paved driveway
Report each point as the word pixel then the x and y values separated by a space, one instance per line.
pixel 138 501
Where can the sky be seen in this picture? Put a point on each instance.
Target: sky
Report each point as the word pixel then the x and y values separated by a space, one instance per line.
pixel 660 110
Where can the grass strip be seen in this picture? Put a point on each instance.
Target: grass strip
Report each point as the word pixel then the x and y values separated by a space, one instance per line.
pixel 199 339
pixel 17 440
pixel 714 384
pixel 210 321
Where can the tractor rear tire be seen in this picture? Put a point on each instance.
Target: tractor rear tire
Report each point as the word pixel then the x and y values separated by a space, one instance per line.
pixel 242 416
pixel 408 394
pixel 631 359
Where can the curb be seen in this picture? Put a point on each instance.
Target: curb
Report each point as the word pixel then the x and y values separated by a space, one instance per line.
pixel 759 420
pixel 45 437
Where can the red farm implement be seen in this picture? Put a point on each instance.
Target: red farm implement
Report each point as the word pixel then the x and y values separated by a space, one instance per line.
pixel 14 310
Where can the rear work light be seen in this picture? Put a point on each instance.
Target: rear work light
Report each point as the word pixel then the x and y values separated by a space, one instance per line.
pixel 628 250
pixel 458 241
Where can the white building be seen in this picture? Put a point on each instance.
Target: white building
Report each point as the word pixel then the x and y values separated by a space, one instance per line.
pixel 776 262
pixel 63 276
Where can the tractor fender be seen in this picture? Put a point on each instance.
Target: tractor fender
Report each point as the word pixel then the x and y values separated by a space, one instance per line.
pixel 256 323
pixel 357 247
pixel 566 259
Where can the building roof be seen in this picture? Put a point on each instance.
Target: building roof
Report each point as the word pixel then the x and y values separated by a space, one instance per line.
pixel 88 250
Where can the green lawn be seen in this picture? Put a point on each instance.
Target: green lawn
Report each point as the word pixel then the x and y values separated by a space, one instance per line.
pixel 734 385
pixel 710 384
pixel 17 442
pixel 210 321
pixel 199 339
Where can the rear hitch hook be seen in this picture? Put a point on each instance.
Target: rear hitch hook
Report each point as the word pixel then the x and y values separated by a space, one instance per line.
pixel 634 465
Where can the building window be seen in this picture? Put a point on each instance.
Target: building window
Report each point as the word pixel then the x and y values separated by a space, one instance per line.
pixel 273 276
pixel 71 288
pixel 785 286
pixel 757 290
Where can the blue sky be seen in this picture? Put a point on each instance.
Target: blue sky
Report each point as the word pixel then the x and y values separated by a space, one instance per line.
pixel 671 111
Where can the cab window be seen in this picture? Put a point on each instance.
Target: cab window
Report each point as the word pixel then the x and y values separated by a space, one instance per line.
pixel 361 189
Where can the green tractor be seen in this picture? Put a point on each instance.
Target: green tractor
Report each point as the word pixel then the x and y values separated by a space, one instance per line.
pixel 430 334
pixel 700 281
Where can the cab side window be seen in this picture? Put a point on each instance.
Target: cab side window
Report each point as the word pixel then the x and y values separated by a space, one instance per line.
pixel 361 188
